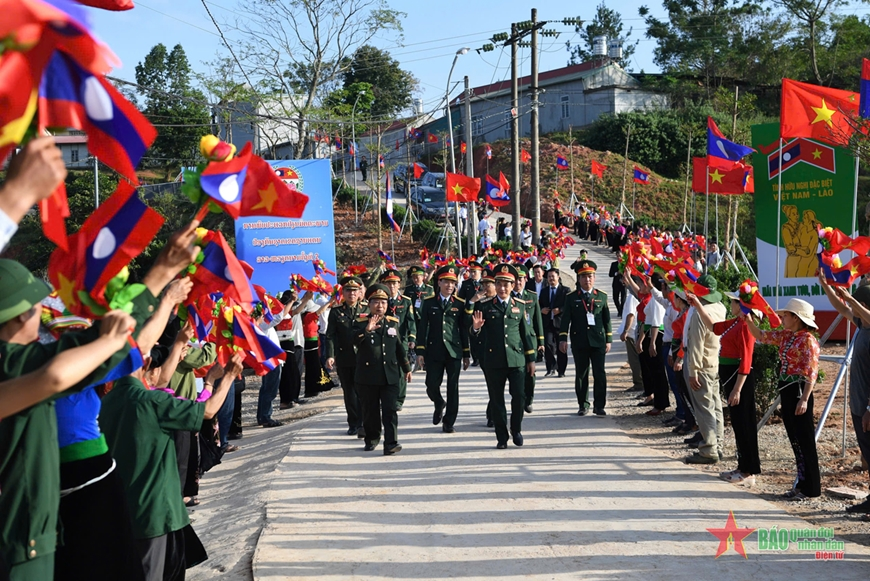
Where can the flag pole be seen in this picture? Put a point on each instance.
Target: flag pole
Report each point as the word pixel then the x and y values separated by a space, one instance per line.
pixel 716 237
pixel 688 170
pixel 778 221
pixel 625 168
pixel 707 204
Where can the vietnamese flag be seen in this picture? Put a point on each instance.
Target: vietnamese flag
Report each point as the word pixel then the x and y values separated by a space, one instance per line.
pixel 266 194
pixel 433 138
pixel 418 171
pixel 462 147
pixel 525 156
pixel 817 112
pixel 721 181
pixel 462 188
pixel 598 169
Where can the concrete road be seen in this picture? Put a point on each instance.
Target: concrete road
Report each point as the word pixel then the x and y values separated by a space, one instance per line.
pixel 580 500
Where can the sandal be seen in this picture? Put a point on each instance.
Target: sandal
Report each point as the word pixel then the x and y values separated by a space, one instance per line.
pixel 190 502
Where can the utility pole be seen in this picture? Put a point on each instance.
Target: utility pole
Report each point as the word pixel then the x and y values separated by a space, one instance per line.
pixel 625 171
pixel 732 204
pixel 470 230
pixel 515 139
pixel 533 118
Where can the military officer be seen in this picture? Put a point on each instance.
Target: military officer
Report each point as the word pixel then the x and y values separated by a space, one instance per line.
pixel 402 308
pixel 499 327
pixel 535 324
pixel 470 287
pixel 485 294
pixel 586 319
pixel 443 345
pixel 417 290
pixel 340 350
pixel 381 361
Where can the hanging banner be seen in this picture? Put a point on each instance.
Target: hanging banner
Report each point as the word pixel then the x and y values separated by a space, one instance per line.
pixel 279 247
pixel 818 184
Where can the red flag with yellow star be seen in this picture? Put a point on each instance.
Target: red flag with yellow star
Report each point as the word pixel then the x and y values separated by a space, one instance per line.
pixel 738 180
pixel 817 112
pixel 462 188
pixel 265 194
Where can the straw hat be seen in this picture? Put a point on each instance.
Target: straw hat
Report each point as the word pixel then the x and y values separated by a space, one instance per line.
pixel 802 310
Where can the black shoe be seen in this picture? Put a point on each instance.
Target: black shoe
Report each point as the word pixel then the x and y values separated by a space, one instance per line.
pixel 698 459
pixel 394 449
pixel 646 404
pixel 438 415
pixel 370 446
pixel 398 407
pixel 475 363
pixel 549 373
pixel 234 436
pixel 599 412
pixel 447 429
pixel 582 412
pixel 528 408
pixel 501 446
pixel 694 439
pixel 561 375
pixel 490 424
pixel 360 432
pixel 862 508
pixel 270 423
pixel 518 438
pixel 353 431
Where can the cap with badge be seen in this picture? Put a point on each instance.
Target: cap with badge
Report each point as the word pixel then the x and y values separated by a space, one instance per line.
pixel 448 272
pixel 522 270
pixel 415 270
pixel 487 276
pixel 351 283
pixel 584 266
pixel 377 291
pixel 474 265
pixel 390 275
pixel 506 272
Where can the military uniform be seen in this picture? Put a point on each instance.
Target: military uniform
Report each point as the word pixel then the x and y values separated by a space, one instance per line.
pixel 586 319
pixel 402 308
pixel 536 325
pixel 507 348
pixel 381 361
pixel 443 343
pixel 340 337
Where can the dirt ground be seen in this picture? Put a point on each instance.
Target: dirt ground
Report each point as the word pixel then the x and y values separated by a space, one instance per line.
pixel 777 459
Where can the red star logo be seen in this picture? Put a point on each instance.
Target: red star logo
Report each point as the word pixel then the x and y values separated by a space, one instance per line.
pixel 731 536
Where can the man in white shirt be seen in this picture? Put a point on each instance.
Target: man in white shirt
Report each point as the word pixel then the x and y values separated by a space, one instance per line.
pixel 626 334
pixel 482 226
pixel 463 218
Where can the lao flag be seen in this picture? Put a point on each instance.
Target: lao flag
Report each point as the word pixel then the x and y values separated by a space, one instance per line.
pixel 257 345
pixel 488 152
pixel 389 198
pixel 720 151
pixel 640 176
pixel 222 181
pixel 202 325
pixel 496 192
pixel 70 96
pixel 864 108
pixel 113 235
pixel 381 161
pixel 561 163
pixel 220 271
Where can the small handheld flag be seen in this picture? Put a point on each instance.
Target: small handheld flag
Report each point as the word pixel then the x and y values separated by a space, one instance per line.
pixel 496 193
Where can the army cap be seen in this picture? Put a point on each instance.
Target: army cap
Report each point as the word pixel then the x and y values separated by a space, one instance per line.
pixel 522 270
pixel 391 275
pixel 488 276
pixel 584 266
pixel 351 282
pixel 415 270
pixel 377 291
pixel 506 272
pixel 19 290
pixel 449 272
pixel 474 265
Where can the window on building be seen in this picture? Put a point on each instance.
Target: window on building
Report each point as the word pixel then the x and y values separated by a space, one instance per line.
pixel 74 155
pixel 566 107
pixel 476 125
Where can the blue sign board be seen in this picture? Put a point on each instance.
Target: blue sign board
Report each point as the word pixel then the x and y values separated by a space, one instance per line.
pixel 278 247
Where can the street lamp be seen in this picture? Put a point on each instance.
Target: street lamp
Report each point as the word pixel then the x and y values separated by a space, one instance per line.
pixel 353 158
pixel 459 53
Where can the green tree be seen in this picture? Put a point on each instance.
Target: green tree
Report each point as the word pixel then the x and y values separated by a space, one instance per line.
pixel 840 60
pixel 172 103
pixel 606 22
pixel 811 15
pixel 391 86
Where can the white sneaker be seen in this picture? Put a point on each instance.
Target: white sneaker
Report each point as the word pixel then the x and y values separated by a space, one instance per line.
pixel 727 475
pixel 739 478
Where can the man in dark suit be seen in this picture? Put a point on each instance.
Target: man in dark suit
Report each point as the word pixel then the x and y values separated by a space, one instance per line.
pixel 618 287
pixel 442 345
pixel 587 321
pixel 536 283
pixel 552 302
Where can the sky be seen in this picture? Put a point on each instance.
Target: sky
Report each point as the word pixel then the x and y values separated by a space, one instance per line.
pixel 433 32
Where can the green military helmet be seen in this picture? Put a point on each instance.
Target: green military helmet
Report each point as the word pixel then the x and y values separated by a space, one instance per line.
pixel 20 291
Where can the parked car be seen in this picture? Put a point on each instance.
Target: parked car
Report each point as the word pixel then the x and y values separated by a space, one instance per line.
pixel 400 173
pixel 433 180
pixel 429 204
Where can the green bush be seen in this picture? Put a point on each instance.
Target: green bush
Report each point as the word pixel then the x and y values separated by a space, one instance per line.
pixel 428 233
pixel 398 215
pixel 503 245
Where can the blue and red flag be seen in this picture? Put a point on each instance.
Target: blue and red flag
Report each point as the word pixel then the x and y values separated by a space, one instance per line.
pixel 640 176
pixel 70 96
pixel 223 181
pixel 561 163
pixel 864 108
pixel 338 143
pixel 381 161
pixel 220 271
pixel 112 236
pixel 497 191
pixel 488 152
pixel 389 208
pixel 720 151
pixel 802 150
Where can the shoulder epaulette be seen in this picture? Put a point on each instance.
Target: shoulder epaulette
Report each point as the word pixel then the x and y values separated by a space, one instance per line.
pixel 406 297
pixel 519 300
pixel 362 318
pixel 573 292
pixel 485 300
pixel 364 303
pixel 393 319
pixel 432 296
pixel 460 299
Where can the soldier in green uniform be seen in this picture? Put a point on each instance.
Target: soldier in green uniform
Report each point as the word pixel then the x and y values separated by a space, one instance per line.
pixel 443 346
pixel 29 454
pixel 470 287
pixel 485 294
pixel 402 308
pixel 340 350
pixel 586 319
pixel 416 290
pixel 381 361
pixel 499 327
pixel 534 322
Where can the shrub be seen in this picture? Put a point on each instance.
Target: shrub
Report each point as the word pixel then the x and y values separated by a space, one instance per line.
pixel 428 233
pixel 503 245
